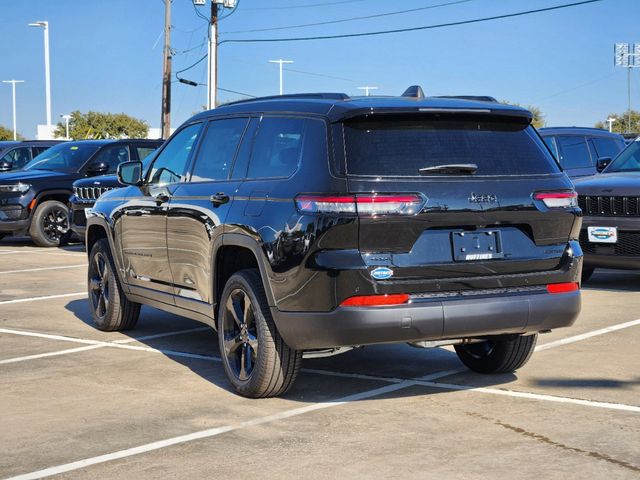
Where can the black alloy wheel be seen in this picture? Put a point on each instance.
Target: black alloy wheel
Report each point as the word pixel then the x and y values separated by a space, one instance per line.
pixel 55 224
pixel 240 336
pixel 99 285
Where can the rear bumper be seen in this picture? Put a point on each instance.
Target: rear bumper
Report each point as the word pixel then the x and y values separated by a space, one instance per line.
pixel 428 320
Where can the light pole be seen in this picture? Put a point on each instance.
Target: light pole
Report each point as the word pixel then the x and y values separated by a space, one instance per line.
pixel 66 119
pixel 366 89
pixel 627 55
pixel 47 75
pixel 13 85
pixel 611 120
pixel 281 62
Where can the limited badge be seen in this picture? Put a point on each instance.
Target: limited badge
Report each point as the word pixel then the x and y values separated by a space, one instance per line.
pixel 382 273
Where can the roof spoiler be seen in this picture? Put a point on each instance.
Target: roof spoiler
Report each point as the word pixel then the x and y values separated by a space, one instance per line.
pixel 477 98
pixel 414 91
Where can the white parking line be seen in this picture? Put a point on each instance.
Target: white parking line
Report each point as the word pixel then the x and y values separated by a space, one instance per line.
pixel 49 354
pixel 44 268
pixel 46 297
pixel 532 396
pixel 584 336
pixel 101 344
pixel 212 432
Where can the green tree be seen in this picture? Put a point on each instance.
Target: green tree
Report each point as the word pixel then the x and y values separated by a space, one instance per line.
pixel 7 134
pixel 102 125
pixel 538 117
pixel 622 122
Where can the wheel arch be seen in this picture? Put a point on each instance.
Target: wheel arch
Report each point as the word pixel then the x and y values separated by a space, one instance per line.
pixel 236 252
pixel 98 228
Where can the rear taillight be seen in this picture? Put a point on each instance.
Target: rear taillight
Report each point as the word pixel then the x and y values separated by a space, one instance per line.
pixel 361 204
pixel 557 199
pixel 562 287
pixel 376 300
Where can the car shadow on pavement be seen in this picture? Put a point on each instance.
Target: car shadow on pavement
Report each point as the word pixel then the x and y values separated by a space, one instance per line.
pixel 614 280
pixel 599 383
pixel 71 246
pixel 320 380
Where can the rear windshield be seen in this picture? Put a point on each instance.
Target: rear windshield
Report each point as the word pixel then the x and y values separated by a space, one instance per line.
pixel 401 146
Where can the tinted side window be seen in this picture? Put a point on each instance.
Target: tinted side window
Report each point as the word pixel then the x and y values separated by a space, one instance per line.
pixel 38 150
pixel 171 163
pixel 144 152
pixel 218 149
pixel 18 157
pixel 575 153
pixel 551 143
pixel 113 155
pixel 606 147
pixel 277 147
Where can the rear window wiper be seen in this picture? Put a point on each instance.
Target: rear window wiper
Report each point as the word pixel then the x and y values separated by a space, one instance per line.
pixel 450 169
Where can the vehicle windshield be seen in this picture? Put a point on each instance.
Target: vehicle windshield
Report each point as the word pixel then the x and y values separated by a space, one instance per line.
pixel 63 157
pixel 627 161
pixel 407 146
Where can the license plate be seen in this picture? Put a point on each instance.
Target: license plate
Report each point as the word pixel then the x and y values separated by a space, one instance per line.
pixel 603 234
pixel 477 245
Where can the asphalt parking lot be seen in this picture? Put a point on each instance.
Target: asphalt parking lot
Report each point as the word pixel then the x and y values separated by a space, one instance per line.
pixel 154 402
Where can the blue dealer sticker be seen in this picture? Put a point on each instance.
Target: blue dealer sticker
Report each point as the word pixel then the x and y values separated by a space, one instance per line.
pixel 382 273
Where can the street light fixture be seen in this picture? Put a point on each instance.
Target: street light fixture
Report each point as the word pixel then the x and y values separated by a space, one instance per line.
pixel 13 84
pixel 367 89
pixel 627 55
pixel 281 62
pixel 66 119
pixel 47 75
pixel 611 120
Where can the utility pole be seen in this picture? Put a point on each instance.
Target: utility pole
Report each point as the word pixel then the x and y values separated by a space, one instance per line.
pixel 366 89
pixel 13 85
pixel 165 120
pixel 281 62
pixel 212 62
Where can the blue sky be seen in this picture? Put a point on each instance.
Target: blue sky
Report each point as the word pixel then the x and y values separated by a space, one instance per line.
pixel 107 55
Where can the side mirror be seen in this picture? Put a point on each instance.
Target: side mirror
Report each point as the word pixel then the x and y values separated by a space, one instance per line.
pixel 5 166
pixel 97 168
pixel 130 173
pixel 602 163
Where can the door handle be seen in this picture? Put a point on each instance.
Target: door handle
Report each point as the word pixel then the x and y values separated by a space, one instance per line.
pixel 219 199
pixel 161 198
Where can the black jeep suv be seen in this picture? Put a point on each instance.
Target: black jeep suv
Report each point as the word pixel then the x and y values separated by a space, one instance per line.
pixel 34 200
pixel 315 223
pixel 610 202
pixel 87 189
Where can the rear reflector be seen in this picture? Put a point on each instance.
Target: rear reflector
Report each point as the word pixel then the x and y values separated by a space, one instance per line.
pixel 375 300
pixel 562 287
pixel 557 199
pixel 361 204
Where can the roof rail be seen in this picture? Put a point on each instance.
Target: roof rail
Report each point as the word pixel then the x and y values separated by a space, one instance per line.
pixel 301 96
pixel 414 91
pixel 478 98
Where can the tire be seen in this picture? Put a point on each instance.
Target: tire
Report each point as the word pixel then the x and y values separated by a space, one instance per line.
pixel 257 361
pixel 110 309
pixel 587 273
pixel 497 356
pixel 49 224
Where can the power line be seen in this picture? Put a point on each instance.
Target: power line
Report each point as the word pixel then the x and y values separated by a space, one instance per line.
pixel 288 7
pixel 410 29
pixel 237 93
pixel 366 17
pixel 191 66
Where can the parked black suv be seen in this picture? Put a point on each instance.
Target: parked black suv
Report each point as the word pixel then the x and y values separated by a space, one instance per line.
pixel 310 223
pixel 35 199
pixel 582 151
pixel 15 155
pixel 87 190
pixel 610 235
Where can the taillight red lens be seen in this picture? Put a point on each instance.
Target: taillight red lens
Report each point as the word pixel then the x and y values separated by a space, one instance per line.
pixel 361 204
pixel 375 300
pixel 562 287
pixel 557 199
